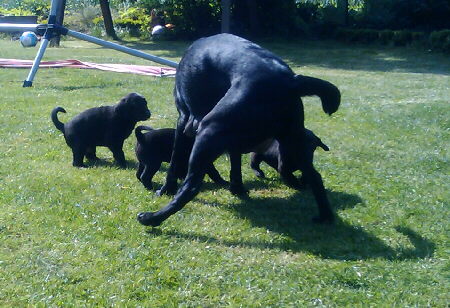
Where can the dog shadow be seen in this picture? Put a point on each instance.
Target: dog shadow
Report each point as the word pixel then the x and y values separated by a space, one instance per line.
pixel 292 219
pixel 105 163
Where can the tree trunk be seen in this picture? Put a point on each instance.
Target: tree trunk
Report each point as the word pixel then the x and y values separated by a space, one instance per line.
pixel 107 19
pixel 253 16
pixel 54 42
pixel 225 25
pixel 342 6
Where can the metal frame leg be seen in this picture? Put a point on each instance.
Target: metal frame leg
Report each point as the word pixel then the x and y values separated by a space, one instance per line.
pixel 44 43
pixel 29 81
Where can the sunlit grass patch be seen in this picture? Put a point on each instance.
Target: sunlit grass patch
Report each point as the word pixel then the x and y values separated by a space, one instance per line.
pixel 70 236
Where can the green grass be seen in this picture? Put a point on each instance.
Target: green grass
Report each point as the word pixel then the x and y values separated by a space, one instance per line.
pixel 69 237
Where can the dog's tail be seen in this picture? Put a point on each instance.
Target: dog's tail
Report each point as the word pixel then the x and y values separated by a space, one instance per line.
pixel 315 140
pixel 54 115
pixel 138 132
pixel 329 94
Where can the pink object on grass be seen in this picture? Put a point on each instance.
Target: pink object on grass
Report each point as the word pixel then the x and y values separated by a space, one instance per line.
pixel 120 68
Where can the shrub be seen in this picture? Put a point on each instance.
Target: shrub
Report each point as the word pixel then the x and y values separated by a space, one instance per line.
pixel 402 38
pixel 385 37
pixel 135 20
pixel 40 8
pixel 440 40
pixel 87 20
pixel 15 12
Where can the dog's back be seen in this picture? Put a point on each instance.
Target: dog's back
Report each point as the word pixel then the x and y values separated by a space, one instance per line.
pixel 155 144
pixel 270 153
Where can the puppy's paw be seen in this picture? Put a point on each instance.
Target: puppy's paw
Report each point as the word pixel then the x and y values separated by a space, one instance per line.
pixel 122 165
pixel 149 219
pixel 259 173
pixel 79 165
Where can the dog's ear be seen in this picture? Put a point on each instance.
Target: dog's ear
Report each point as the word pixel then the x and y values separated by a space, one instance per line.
pixel 122 104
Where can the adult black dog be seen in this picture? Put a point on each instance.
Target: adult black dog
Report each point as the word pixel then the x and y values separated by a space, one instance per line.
pixel 107 126
pixel 233 95
pixel 269 152
pixel 156 146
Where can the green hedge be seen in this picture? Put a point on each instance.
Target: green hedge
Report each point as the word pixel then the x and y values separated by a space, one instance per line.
pixel 438 40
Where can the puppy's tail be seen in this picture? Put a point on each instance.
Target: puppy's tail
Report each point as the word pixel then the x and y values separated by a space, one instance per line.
pixel 54 115
pixel 329 94
pixel 138 132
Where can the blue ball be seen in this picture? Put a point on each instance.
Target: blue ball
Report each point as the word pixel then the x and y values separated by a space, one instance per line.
pixel 28 39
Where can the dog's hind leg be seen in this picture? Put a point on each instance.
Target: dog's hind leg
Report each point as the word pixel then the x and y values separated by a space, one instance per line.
pixel 148 173
pixel 303 158
pixel 236 185
pixel 91 153
pixel 78 156
pixel 140 169
pixel 255 161
pixel 215 176
pixel 314 179
pixel 205 151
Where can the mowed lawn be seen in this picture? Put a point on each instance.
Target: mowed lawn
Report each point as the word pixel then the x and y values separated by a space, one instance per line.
pixel 69 237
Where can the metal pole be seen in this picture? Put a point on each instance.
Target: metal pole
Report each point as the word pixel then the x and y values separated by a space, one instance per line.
pixel 44 43
pixel 29 81
pixel 121 48
pixel 8 27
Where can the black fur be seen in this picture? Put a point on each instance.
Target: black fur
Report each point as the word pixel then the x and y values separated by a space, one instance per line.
pixel 155 147
pixel 269 153
pixel 232 95
pixel 107 126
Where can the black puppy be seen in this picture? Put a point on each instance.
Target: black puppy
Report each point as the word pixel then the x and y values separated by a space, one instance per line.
pixel 233 95
pixel 155 147
pixel 269 153
pixel 107 126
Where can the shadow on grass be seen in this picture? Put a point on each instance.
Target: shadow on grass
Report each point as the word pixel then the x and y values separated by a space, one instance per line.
pixel 330 54
pixel 335 55
pixel 131 164
pixel 291 218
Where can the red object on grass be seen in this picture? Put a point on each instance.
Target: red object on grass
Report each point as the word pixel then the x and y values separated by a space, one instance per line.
pixel 120 68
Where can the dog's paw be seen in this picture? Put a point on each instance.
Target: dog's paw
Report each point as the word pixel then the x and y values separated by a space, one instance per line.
pixel 149 219
pixel 148 186
pixel 167 190
pixel 239 190
pixel 222 182
pixel 324 219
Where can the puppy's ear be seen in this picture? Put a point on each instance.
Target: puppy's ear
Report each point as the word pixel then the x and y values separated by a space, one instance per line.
pixel 122 104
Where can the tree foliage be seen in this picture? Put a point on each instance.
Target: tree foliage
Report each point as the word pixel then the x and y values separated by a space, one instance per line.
pixel 195 18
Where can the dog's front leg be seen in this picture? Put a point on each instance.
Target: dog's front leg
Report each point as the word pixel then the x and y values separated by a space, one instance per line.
pixel 236 185
pixel 204 152
pixel 118 154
